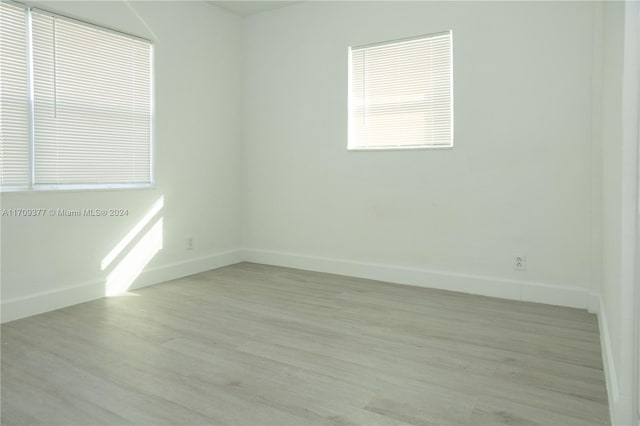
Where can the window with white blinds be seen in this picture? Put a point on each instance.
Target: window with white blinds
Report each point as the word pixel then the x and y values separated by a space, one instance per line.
pixel 401 94
pixel 88 99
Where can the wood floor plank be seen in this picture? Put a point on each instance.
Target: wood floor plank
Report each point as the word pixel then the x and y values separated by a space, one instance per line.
pixel 253 344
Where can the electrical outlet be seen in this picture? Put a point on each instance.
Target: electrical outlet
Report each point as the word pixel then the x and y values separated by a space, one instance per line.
pixel 520 263
pixel 189 243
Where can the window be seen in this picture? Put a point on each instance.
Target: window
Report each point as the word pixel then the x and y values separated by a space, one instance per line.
pixel 401 94
pixel 75 104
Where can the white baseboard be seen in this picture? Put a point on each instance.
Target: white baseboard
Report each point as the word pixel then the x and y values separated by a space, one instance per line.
pixel 608 361
pixel 45 301
pixel 621 403
pixel 475 284
pixel 21 307
pixel 181 269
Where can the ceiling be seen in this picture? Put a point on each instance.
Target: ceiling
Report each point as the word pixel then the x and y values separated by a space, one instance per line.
pixel 245 8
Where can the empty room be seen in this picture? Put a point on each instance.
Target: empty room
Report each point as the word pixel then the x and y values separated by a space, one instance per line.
pixel 265 213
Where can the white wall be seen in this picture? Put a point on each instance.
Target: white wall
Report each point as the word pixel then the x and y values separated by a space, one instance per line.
pixel 620 196
pixel 54 261
pixel 517 181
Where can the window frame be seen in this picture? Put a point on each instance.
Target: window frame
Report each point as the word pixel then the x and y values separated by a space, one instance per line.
pixel 350 103
pixel 31 186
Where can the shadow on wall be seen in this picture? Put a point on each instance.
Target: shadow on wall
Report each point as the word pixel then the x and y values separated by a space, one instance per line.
pixel 134 251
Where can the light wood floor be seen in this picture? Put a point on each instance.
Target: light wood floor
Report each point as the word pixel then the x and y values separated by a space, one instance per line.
pixel 251 344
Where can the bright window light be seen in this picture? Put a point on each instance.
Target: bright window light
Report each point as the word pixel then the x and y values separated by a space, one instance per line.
pixel 401 94
pixel 76 103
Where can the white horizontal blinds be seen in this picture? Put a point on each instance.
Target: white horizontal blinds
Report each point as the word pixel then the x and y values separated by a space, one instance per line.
pixel 14 97
pixel 401 93
pixel 92 104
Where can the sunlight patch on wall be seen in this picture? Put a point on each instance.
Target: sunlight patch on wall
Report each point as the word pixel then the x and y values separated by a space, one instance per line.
pixel 133 233
pixel 126 272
